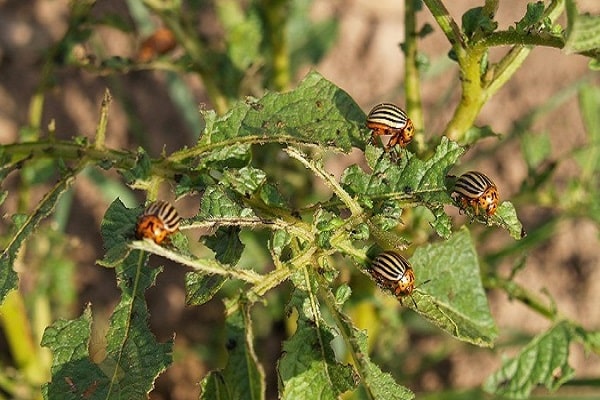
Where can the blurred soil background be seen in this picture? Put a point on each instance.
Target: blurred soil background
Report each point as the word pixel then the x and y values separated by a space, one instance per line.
pixel 366 61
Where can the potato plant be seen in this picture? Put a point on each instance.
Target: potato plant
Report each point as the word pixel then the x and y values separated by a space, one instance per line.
pixel 253 174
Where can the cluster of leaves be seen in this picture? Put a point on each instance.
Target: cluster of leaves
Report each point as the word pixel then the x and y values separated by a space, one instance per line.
pixel 302 243
pixel 308 239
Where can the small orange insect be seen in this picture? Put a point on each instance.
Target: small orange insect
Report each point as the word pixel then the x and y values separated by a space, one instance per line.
pixel 159 220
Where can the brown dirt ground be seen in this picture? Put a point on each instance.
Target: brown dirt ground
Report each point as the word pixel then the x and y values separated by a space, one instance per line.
pixel 366 63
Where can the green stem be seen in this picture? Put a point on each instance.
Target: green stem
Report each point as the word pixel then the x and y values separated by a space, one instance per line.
pixel 203 265
pixel 518 292
pixel 18 330
pixel 473 96
pixel 71 151
pixel 475 89
pixel 411 75
pixel 188 39
pixel 349 202
pixel 103 123
pixel 275 12
pixel 516 38
pixel 446 23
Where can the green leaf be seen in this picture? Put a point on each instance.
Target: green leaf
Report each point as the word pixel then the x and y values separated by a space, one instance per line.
pixel 246 181
pixel 475 20
pixel 376 384
pixel 316 112
pixel 453 299
pixel 73 372
pixel 476 133
pixel 243 377
pixel 308 368
pixel 232 155
pixel 226 244
pixel 326 224
pixel 118 229
pixel 217 203
pixel 588 158
pixel 142 169
pixel 409 183
pixel 506 217
pixel 543 361
pixel 442 223
pixel 243 33
pixel 133 356
pixel 200 287
pixel 309 40
pixel 192 183
pixel 25 227
pixel 583 32
pixel 535 148
pixel 279 242
pixel 534 14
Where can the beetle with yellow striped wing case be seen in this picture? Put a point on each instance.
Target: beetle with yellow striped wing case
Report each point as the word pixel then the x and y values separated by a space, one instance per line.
pixel 388 119
pixel 159 220
pixel 474 189
pixel 392 271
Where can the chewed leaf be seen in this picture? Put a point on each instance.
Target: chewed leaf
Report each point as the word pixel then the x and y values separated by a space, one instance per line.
pixel 73 371
pixel 23 228
pixel 544 361
pixel 134 358
pixel 117 228
pixel 316 112
pixel 200 287
pixel 506 217
pixel 583 32
pixel 377 384
pixel 410 182
pixel 243 377
pixel 453 299
pixel 308 368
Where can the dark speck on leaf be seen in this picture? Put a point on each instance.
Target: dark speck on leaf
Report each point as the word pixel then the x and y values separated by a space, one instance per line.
pixel 319 104
pixel 230 345
pixel 255 105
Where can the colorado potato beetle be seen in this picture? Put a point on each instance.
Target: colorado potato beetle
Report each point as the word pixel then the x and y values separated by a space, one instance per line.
pixel 159 220
pixel 476 190
pixel 392 271
pixel 389 119
pixel 160 42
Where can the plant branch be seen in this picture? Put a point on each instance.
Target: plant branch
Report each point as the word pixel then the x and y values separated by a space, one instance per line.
pixel 188 39
pixel 446 23
pixel 412 87
pixel 318 170
pixel 103 122
pixel 300 229
pixel 198 264
pixel 516 38
pixel 275 12
pixel 518 292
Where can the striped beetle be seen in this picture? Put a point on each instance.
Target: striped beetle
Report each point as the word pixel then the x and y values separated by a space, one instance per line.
pixel 159 220
pixel 389 119
pixel 476 190
pixel 392 271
